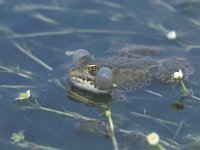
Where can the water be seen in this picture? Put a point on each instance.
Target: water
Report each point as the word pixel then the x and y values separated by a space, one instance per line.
pixel 49 28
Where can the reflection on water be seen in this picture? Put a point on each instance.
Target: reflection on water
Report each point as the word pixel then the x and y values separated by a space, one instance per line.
pixel 34 37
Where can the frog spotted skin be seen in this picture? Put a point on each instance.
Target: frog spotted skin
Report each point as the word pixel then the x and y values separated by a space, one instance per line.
pixel 131 69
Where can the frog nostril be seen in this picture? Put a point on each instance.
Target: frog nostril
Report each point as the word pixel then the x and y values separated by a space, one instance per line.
pixel 104 78
pixel 81 56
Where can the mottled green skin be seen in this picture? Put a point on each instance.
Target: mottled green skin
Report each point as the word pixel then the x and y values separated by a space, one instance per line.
pixel 135 68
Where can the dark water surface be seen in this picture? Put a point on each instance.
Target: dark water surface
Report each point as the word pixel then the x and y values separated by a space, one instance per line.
pixel 47 29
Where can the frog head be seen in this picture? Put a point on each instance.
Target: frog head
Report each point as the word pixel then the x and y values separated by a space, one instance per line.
pixel 84 77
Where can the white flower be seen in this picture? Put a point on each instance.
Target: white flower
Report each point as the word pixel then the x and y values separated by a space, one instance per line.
pixel 178 75
pixel 24 96
pixel 17 137
pixel 171 35
pixel 153 139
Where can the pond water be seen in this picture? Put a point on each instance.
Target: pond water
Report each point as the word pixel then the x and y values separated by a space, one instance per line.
pixel 34 36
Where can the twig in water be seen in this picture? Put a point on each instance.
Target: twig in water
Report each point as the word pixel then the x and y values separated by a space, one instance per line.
pixel 32 7
pixel 196 22
pixel 154 93
pixel 27 53
pixel 109 4
pixel 188 46
pixel 31 145
pixel 66 113
pixel 72 31
pixel 178 129
pixel 195 97
pixel 164 4
pixel 24 74
pixel 16 86
pixel 156 119
pixel 45 19
pixel 57 83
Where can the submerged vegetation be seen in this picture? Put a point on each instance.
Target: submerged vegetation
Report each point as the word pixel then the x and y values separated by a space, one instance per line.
pixel 41 110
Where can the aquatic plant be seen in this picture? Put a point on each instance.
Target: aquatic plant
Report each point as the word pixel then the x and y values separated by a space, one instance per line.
pixel 16 71
pixel 108 115
pixel 153 139
pixel 17 137
pixel 179 76
pixel 35 105
pixel 24 96
pixel 171 35
pixel 112 131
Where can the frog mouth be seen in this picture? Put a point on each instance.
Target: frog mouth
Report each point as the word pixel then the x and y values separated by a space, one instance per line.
pixel 84 78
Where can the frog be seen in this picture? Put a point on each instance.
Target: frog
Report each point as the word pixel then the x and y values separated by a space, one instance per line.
pixel 134 67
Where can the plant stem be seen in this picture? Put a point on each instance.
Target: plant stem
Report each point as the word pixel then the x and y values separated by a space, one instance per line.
pixel 31 145
pixel 184 87
pixel 33 57
pixel 114 140
pixel 160 147
pixel 111 124
pixel 67 113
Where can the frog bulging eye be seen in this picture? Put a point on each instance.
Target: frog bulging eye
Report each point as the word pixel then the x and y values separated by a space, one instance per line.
pixel 81 56
pixel 104 78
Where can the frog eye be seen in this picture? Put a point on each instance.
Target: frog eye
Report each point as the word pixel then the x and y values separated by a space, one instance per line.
pixel 104 78
pixel 81 56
